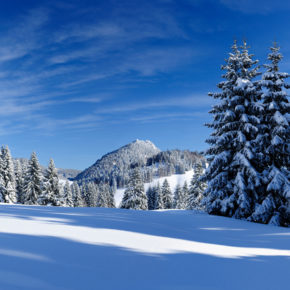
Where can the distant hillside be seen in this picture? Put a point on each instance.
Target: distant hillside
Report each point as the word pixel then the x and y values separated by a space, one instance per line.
pixel 114 168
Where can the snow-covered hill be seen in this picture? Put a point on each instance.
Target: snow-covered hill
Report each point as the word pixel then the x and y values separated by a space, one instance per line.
pixel 115 167
pixel 115 163
pixel 173 180
pixel 115 249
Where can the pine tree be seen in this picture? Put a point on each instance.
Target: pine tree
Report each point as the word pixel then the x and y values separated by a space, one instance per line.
pixel 19 179
pixel 158 197
pixel 185 195
pixel 233 177
pixel 84 194
pixel 166 195
pixel 178 197
pixel 51 192
pixel 111 198
pixel 197 188
pixel 274 145
pixel 134 196
pixel 102 196
pixel 3 191
pixel 67 195
pixel 91 196
pixel 9 194
pixel 33 181
pixel 77 196
pixel 151 197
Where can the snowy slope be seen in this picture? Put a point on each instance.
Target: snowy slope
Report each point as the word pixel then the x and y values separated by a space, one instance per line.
pixel 114 249
pixel 173 180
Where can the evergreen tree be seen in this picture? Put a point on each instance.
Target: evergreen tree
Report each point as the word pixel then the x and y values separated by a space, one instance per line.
pixel 166 195
pixel 84 194
pixel 91 195
pixel 51 192
pixel 178 197
pixel 158 197
pixel 111 198
pixel 151 197
pixel 102 196
pixel 185 195
pixel 19 179
pixel 134 196
pixel 274 145
pixel 197 188
pixel 33 181
pixel 67 195
pixel 8 191
pixel 77 196
pixel 233 177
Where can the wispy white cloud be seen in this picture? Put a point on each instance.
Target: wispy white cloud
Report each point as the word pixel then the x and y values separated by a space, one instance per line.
pixel 195 101
pixel 56 69
pixel 151 61
pixel 168 116
pixel 79 33
pixel 257 6
pixel 85 100
pixel 49 124
pixel 23 37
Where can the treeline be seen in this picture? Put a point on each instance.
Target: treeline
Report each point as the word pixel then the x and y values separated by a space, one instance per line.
pixel 27 184
pixel 161 197
pixel 115 168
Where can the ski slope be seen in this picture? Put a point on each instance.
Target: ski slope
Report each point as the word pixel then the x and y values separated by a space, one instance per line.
pixel 173 180
pixel 115 249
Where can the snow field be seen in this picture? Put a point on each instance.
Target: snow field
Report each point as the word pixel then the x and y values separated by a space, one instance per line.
pixel 99 248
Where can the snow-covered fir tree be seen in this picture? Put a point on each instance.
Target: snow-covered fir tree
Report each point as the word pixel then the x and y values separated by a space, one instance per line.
pixel 197 188
pixel 105 196
pixel 84 194
pixel 111 198
pixel 19 179
pixel 158 197
pixel 8 189
pixel 33 181
pixel 166 195
pixel 77 196
pixel 185 195
pixel 102 196
pixel 178 197
pixel 274 144
pixel 51 190
pixel 134 196
pixel 91 194
pixel 151 197
pixel 67 195
pixel 233 176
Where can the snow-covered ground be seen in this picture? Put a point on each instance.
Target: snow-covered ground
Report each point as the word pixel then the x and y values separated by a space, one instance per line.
pixel 97 248
pixel 173 180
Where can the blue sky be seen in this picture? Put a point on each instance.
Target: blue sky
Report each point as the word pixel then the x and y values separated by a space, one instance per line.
pixel 81 78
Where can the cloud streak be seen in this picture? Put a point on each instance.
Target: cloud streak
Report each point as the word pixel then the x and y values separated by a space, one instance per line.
pixel 82 63
pixel 257 6
pixel 195 101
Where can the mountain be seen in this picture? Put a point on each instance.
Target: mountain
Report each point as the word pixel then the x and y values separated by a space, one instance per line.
pixel 115 167
pixel 64 173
